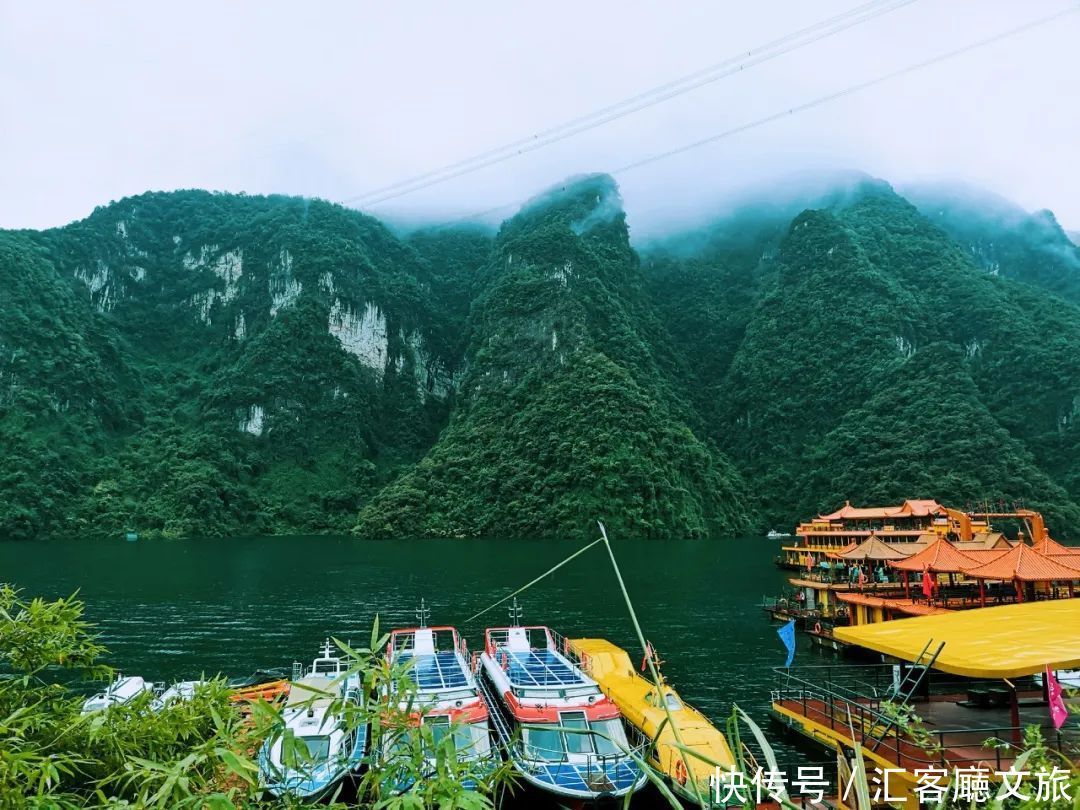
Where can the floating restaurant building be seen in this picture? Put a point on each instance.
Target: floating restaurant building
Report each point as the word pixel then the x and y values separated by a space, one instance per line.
pixel 965 675
pixel 866 565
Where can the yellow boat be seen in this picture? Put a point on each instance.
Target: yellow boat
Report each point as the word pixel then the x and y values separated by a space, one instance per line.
pixel 636 698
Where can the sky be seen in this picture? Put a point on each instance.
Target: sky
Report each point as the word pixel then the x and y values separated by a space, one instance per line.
pixel 108 99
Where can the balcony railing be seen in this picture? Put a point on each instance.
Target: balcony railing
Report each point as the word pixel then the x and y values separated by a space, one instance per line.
pixel 851 705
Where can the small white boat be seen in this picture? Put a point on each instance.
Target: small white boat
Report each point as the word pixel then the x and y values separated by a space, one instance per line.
pixel 177 693
pixel 775 535
pixel 315 728
pixel 121 691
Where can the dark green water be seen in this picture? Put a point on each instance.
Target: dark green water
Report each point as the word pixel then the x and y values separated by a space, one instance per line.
pixel 174 609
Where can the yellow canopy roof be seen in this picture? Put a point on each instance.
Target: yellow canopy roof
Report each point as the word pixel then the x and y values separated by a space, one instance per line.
pixel 994 642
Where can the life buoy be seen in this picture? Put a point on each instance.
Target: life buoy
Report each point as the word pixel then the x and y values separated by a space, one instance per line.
pixel 817 627
pixel 680 771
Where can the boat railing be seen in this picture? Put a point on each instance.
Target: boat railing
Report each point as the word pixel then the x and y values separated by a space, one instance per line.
pixel 635 749
pixel 444 639
pixel 539 638
pixel 512 743
pixel 495 712
pixel 843 709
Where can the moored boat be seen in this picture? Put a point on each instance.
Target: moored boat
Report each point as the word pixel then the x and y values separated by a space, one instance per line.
pixel 559 730
pixel 179 692
pixel 318 746
pixel 123 690
pixel 440 694
pixel 669 722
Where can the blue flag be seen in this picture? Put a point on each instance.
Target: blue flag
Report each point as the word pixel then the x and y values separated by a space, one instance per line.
pixel 787 635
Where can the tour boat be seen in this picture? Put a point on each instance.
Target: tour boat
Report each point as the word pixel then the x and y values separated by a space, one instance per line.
pixel 121 691
pixel 662 716
pixel 441 694
pixel 314 715
pixel 560 732
pixel 179 692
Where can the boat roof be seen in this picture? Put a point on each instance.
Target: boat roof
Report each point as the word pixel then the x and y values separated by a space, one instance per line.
pixel 1025 564
pixel 909 508
pixel 941 556
pixel 437 671
pixel 531 667
pixel 995 642
pixel 316 692
pixel 870 549
pixel 542 668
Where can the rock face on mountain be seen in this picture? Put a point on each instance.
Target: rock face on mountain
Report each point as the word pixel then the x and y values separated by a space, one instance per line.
pixel 564 414
pixel 195 363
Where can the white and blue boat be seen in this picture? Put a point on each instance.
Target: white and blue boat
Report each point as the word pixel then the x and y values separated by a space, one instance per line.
pixel 561 733
pixel 314 718
pixel 441 695
pixel 122 691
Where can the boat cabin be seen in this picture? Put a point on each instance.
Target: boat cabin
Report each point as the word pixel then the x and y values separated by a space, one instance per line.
pixel 561 732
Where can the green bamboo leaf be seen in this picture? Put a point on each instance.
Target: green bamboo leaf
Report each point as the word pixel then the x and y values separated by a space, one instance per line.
pixel 766 748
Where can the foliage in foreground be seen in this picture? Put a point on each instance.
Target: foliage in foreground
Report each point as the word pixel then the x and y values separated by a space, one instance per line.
pixel 197 753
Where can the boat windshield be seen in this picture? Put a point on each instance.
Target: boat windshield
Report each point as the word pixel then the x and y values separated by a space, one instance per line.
pixel 326 667
pixel 544 744
pixel 581 737
pixel 318 748
pixel 673 703
pixel 613 740
pixel 471 738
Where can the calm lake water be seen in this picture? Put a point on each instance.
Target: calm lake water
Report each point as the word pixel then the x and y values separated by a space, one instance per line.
pixel 174 609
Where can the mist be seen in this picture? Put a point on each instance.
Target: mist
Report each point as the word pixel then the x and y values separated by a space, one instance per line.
pixel 113 100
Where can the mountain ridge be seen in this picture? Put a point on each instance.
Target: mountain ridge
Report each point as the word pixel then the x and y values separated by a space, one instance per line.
pixel 196 363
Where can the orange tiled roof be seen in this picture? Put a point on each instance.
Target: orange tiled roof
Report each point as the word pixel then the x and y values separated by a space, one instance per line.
pixel 909 508
pixel 1027 565
pixel 1047 545
pixel 941 557
pixel 869 549
pixel 984 555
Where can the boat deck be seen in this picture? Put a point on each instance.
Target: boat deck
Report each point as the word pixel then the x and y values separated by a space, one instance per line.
pixel 531 668
pixel 435 671
pixel 957 730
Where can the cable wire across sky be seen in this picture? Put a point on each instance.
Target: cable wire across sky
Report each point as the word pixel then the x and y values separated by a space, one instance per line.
pixel 816 102
pixel 731 66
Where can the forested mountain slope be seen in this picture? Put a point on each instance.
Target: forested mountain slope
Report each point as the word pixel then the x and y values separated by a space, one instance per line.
pixel 565 413
pixel 251 364
pixel 196 363
pixel 873 331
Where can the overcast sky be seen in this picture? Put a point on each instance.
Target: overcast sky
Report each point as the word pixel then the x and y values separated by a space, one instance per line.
pixel 107 99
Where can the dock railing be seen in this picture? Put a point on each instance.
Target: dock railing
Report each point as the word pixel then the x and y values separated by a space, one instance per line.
pixel 852 705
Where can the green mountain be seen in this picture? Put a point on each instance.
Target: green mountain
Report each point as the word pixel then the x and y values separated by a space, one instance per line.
pixel 210 364
pixel 873 332
pixel 565 413
pixel 1002 238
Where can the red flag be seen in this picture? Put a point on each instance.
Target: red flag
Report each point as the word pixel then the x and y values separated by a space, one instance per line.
pixel 1058 712
pixel 927 583
pixel 648 654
